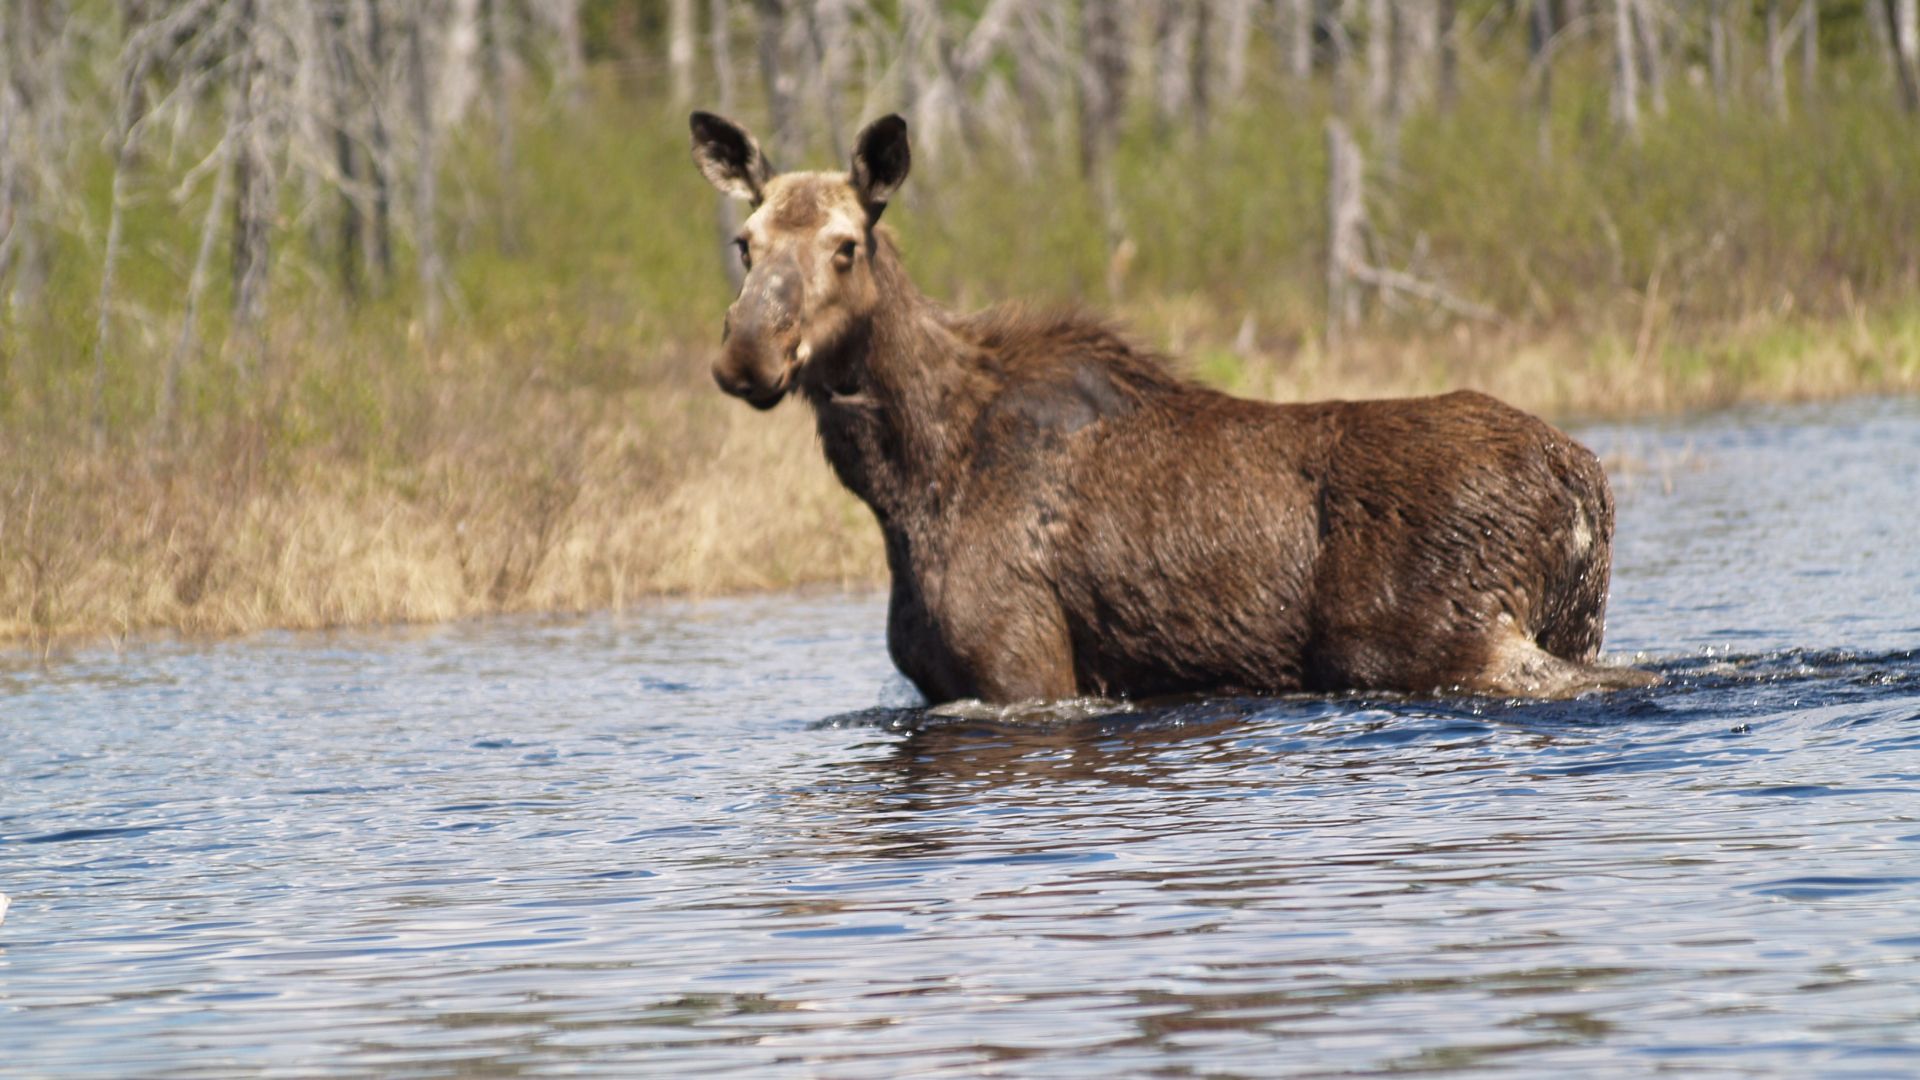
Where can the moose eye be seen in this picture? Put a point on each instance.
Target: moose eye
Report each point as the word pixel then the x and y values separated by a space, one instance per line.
pixel 843 258
pixel 746 256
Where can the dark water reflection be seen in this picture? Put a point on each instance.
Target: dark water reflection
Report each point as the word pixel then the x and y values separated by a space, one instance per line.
pixel 631 845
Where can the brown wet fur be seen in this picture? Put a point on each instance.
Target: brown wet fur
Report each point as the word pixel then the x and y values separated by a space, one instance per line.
pixel 1063 515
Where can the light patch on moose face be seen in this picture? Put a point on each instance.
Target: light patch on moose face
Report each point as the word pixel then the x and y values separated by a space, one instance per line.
pixel 806 219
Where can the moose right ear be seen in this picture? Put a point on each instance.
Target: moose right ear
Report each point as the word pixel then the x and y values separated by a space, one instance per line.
pixel 729 158
pixel 880 163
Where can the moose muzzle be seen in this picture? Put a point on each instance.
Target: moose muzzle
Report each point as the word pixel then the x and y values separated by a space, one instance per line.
pixel 759 350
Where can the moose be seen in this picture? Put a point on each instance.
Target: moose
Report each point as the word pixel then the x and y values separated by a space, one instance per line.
pixel 1064 515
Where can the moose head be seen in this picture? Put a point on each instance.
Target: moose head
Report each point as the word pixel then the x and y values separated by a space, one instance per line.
pixel 808 251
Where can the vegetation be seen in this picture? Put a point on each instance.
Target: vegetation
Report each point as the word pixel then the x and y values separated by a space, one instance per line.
pixel 531 427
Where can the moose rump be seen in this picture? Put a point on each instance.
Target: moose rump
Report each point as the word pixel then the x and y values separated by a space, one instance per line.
pixel 1063 515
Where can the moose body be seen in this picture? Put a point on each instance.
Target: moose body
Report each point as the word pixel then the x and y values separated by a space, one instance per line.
pixel 1065 516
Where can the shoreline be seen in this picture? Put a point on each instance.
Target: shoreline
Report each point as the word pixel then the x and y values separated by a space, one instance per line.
pixel 674 493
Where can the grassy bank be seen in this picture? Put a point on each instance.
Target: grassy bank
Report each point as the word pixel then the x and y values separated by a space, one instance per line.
pixel 557 446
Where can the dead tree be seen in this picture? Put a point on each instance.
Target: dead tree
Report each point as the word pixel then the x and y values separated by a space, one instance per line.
pixel 1349 268
pixel 826 26
pixel 1200 68
pixel 562 24
pixel 130 104
pixel 341 84
pixel 12 155
pixel 35 54
pixel 426 168
pixel 1652 55
pixel 1542 44
pixel 1103 94
pixel 776 80
pixel 1346 231
pixel 1328 20
pixel 1809 49
pixel 1626 71
pixel 379 143
pixel 1903 48
pixel 1718 49
pixel 188 341
pixel 498 68
pixel 1380 34
pixel 726 211
pixel 1238 38
pixel 680 51
pixel 1171 62
pixel 256 131
pixel 1300 20
pixel 1776 61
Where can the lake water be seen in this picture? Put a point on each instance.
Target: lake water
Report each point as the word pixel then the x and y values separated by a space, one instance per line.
pixel 690 839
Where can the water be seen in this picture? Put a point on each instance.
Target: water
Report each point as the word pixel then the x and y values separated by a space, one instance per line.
pixel 630 845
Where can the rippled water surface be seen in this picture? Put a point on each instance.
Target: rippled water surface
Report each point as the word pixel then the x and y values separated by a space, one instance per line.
pixel 688 840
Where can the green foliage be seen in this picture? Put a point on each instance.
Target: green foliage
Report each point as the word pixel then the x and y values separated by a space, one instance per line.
pixel 597 266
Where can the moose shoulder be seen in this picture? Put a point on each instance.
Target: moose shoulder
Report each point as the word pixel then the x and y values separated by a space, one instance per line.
pixel 1065 516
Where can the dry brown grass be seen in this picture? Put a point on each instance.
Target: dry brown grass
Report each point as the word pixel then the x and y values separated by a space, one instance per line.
pixel 567 506
pixel 487 493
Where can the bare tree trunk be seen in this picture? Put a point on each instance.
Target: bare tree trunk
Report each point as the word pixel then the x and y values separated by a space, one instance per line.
pixel 40 54
pixel 256 183
pixel 570 67
pixel 1626 85
pixel 1717 50
pixel 1652 53
pixel 12 207
pixel 1903 42
pixel 720 48
pixel 1239 36
pixel 380 160
pixel 426 180
pixel 1907 19
pixel 1044 71
pixel 1200 73
pixel 339 73
pixel 826 25
pixel 726 215
pixel 1103 81
pixel 498 65
pixel 1172 61
pixel 1346 224
pixel 1776 62
pixel 1809 50
pixel 1379 58
pixel 1339 54
pixel 1449 44
pixel 1540 33
pixel 130 103
pixel 680 50
pixel 775 80
pixel 1416 50
pixel 197 282
pixel 1300 39
pixel 1906 38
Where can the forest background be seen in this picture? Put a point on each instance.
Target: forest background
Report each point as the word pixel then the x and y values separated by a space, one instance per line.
pixel 324 312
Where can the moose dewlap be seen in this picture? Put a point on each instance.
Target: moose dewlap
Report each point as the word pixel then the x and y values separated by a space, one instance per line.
pixel 1063 515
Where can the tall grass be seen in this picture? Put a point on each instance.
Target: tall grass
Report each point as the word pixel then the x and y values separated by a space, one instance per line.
pixel 558 445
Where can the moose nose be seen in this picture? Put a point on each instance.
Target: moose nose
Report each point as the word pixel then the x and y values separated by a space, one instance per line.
pixel 769 302
pixel 756 351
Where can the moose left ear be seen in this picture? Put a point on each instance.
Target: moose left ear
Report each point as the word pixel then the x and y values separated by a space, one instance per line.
pixel 729 158
pixel 880 163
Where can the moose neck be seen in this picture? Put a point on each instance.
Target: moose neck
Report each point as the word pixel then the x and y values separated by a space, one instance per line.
pixel 894 408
